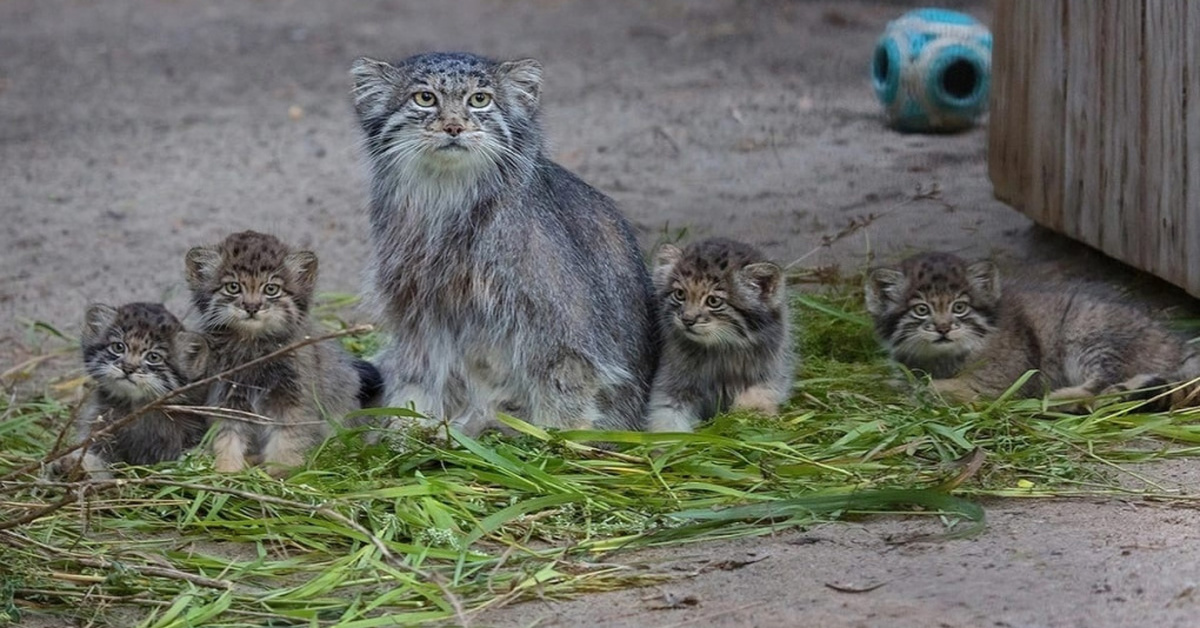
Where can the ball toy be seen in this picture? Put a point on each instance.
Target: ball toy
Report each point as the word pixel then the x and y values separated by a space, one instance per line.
pixel 931 70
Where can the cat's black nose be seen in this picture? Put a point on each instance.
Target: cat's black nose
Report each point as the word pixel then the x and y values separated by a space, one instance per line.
pixel 687 321
pixel 252 308
pixel 453 129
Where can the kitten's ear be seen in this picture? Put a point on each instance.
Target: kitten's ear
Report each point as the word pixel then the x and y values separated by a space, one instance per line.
pixel 202 264
pixel 524 79
pixel 768 278
pixel 374 82
pixel 884 286
pixel 303 266
pixel 97 320
pixel 192 350
pixel 665 259
pixel 984 278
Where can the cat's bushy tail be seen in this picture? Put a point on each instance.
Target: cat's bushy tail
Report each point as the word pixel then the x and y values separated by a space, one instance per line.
pixel 370 384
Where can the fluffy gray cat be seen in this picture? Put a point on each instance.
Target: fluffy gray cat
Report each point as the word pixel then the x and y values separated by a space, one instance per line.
pixel 723 317
pixel 503 282
pixel 135 354
pixel 951 319
pixel 252 295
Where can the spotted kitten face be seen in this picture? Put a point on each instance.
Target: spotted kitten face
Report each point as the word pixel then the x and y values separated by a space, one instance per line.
pixel 449 114
pixel 139 351
pixel 251 284
pixel 716 296
pixel 934 306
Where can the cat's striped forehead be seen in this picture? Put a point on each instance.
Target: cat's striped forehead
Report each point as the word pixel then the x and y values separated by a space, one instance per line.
pixel 449 70
pixel 715 259
pixel 251 252
pixel 146 319
pixel 936 272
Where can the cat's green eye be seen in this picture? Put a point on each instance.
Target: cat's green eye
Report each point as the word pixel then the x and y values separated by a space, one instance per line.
pixel 714 301
pixel 479 100
pixel 117 348
pixel 232 288
pixel 679 295
pixel 959 308
pixel 425 99
pixel 153 357
pixel 271 290
pixel 921 310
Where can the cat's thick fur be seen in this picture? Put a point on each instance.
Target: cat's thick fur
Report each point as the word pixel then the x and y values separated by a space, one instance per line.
pixel 252 295
pixel 503 282
pixel 723 318
pixel 135 354
pixel 943 316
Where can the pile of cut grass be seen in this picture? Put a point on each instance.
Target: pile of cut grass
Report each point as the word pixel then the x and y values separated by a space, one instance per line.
pixel 406 532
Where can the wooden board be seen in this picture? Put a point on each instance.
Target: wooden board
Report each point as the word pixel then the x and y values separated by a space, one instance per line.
pixel 1092 133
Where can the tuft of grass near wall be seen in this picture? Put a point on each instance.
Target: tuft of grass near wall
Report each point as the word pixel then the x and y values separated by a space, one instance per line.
pixel 407 532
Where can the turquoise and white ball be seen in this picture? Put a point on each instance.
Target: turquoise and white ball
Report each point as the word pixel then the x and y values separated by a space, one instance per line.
pixel 932 70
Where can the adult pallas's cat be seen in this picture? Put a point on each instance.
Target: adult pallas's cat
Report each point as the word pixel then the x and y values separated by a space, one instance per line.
pixel 502 281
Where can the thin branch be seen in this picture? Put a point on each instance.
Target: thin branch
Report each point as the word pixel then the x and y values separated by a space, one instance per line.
pixel 161 401
pixel 859 223
pixel 229 414
pixel 160 572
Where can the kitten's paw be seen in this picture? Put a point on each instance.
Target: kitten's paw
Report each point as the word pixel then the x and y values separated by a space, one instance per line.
pixel 229 452
pixel 668 419
pixel 77 466
pixel 954 390
pixel 758 399
pixel 1187 396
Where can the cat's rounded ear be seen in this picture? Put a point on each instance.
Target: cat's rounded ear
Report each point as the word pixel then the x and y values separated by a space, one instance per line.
pixel 665 258
pixel 883 286
pixel 202 264
pixel 374 82
pixel 96 320
pixel 984 278
pixel 768 278
pixel 192 350
pixel 303 266
pixel 523 79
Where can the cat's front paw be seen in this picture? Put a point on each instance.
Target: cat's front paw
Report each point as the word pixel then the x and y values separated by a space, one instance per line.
pixel 954 390
pixel 757 399
pixel 77 466
pixel 668 419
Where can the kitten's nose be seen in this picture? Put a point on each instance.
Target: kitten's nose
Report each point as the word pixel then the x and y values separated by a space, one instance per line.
pixel 687 321
pixel 452 129
pixel 128 368
pixel 252 308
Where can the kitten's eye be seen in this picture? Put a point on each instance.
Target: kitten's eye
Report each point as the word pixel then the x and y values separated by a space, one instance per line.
pixel 117 348
pixel 271 290
pixel 921 310
pixel 153 357
pixel 232 288
pixel 959 308
pixel 425 99
pixel 714 301
pixel 679 295
pixel 479 100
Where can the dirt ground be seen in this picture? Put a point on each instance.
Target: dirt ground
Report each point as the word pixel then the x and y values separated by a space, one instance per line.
pixel 131 130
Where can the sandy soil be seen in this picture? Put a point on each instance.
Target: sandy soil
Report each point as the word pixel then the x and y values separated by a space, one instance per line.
pixel 131 130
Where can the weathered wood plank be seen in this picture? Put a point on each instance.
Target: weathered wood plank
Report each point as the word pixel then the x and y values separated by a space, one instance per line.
pixel 1007 102
pixel 1084 32
pixel 1163 139
pixel 1190 207
pixel 1095 125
